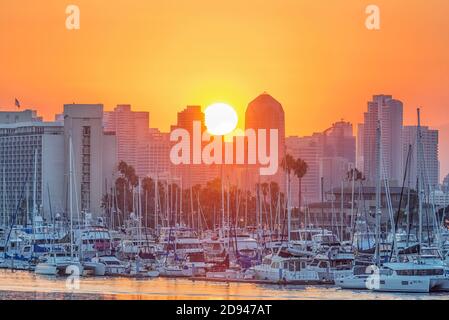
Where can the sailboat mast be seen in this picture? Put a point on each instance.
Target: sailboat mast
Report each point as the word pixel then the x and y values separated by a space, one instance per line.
pixel 70 196
pixel 378 187
pixel 156 202
pixel 4 197
pixel 341 212
pixel 419 189
pixel 34 186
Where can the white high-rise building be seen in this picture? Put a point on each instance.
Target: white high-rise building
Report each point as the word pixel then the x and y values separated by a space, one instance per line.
pixel 33 152
pixel 387 112
pixel 429 140
pixel 94 162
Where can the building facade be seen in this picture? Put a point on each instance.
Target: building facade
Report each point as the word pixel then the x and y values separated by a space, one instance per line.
pixel 85 140
pixel 265 112
pixel 386 112
pixel 329 155
pixel 133 134
pixel 431 164
pixel 31 170
pixel 159 153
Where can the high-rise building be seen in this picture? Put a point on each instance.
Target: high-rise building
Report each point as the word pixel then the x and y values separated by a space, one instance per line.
pixel 193 174
pixel 159 159
pixel 31 153
pixel 339 141
pixel 387 112
pixel 328 155
pixel 132 133
pixel 83 126
pixel 431 165
pixel 445 186
pixel 310 150
pixel 267 113
pixel 36 153
pixel 359 147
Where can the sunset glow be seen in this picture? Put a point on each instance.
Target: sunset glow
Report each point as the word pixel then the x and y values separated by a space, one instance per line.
pixel 162 55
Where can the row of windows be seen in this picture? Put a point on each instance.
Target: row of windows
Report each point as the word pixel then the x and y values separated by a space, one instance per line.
pixel 423 272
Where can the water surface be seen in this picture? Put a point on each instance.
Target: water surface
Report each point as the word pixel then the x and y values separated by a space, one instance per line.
pixel 27 285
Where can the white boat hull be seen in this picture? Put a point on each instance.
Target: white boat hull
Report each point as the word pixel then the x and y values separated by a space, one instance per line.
pixel 46 269
pixel 399 284
pixel 51 269
pixel 354 283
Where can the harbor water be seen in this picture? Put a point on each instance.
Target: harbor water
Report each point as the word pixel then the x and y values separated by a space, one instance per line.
pixel 27 285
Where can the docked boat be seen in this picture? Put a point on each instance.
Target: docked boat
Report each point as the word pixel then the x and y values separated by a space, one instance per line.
pixel 176 271
pixel 410 277
pixel 359 280
pixel 333 264
pixel 93 240
pixel 285 268
pixel 113 266
pixel 58 263
pixel 93 268
pixel 354 282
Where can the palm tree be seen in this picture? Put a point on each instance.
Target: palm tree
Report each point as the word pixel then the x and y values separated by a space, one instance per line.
pixel 300 169
pixel 288 164
pixel 129 173
pixel 355 174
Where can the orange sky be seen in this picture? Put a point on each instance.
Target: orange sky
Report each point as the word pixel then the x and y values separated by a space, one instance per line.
pixel 315 56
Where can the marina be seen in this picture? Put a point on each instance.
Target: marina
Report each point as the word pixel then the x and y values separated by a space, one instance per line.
pixel 376 252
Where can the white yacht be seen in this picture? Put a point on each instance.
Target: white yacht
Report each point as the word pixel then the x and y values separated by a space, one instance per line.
pixel 93 240
pixel 410 277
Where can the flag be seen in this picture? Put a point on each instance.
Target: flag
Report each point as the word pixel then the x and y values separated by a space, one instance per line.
pixel 17 103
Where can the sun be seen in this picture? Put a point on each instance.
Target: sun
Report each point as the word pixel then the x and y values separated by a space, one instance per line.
pixel 221 119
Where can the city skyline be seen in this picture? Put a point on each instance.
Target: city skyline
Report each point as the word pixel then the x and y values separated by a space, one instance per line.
pixel 146 117
pixel 224 151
